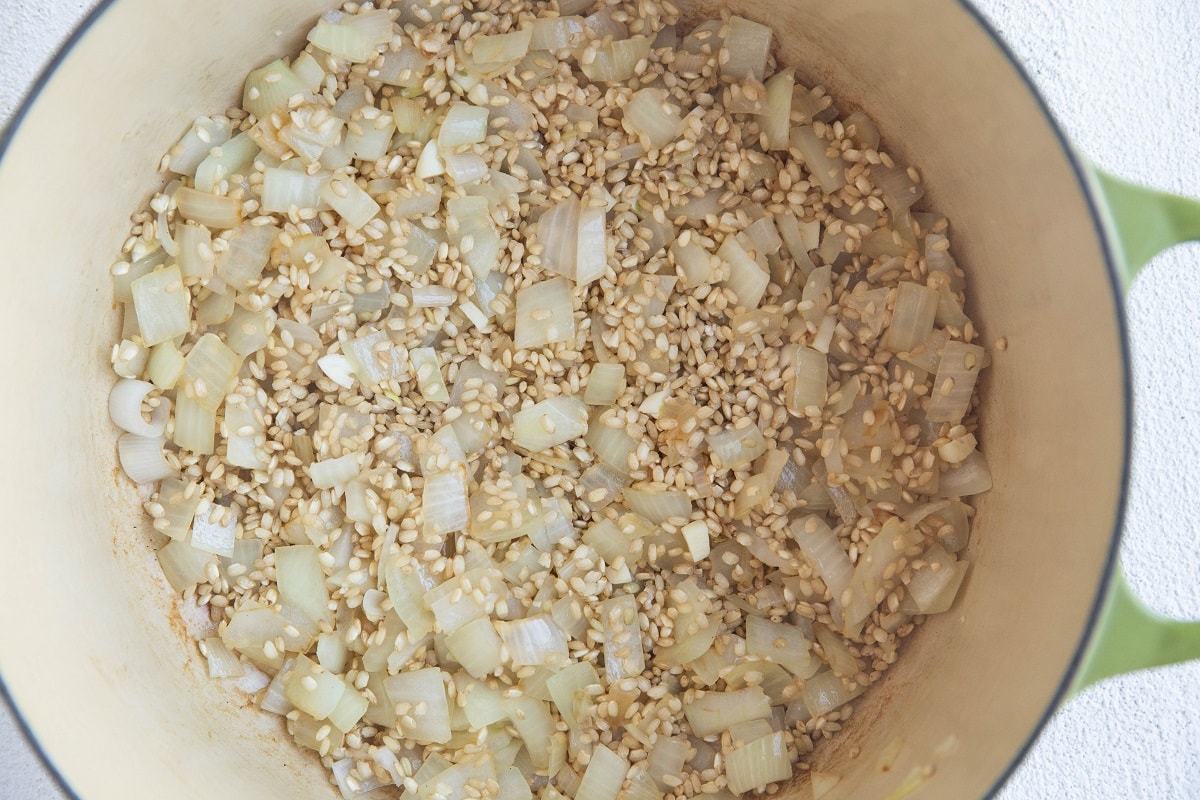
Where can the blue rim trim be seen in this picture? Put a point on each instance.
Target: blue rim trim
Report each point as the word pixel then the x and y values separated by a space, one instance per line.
pixel 1080 170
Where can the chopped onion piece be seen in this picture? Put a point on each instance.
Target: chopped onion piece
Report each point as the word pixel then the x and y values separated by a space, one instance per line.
pixel 313 689
pixel 221 662
pixel 353 37
pixel 423 693
pixel 784 644
pixel 245 435
pixel 954 385
pixel 195 256
pixel 568 688
pixel 912 318
pixel 271 88
pixel 428 369
pixel 617 61
pixel 285 189
pixel 334 472
pixel 349 200
pixel 775 121
pixel 475 221
pixel 971 476
pixel 142 458
pixel 208 209
pixel 369 134
pixel 535 725
pixel 604 776
pixel 830 171
pixel 125 403
pixel 545 314
pixel 819 545
pixel 884 551
pixel 746 47
pixel 501 48
pixel 736 447
pixel 463 124
pixel 556 33
pixel 666 759
pixel 550 423
pixel 748 273
pixel 246 255
pixel 195 425
pixel 591 260
pixel 302 581
pixel 338 369
pixel 204 134
pixel 758 763
pixel 600 484
pixel 825 692
pixel 613 446
pixel 658 504
pixel 476 646
pixel 429 163
pixel 649 117
pixel 695 264
pixel 808 388
pixel 404 67
pixel 898 189
pixel 606 383
pixel 463 169
pixel 714 712
pixel 558 231
pixel 234 157
pixel 623 653
pixel 534 642
pixel 444 502
pixel 837 653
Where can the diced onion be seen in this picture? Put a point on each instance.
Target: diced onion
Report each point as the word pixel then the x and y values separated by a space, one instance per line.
pixel 623 653
pixel 606 383
pixel 428 370
pixel 195 425
pixel 746 47
pixel 334 472
pixel 204 134
pixel 422 689
pixel 558 231
pixel 444 502
pixel 476 646
pixel 142 458
pixel 208 209
pixel 534 642
pixel 248 251
pixel 775 121
pixel 617 61
pixel 271 88
pixel 972 476
pixel 354 37
pixel 545 314
pixel 954 385
pixel 604 776
pixel 221 662
pixel 556 33
pixel 898 189
pixel 748 275
pixel 809 386
pixel 475 221
pixel 825 692
pixel 284 189
pixel 885 549
pixel 195 256
pixel 652 119
pixel 713 712
pixel 125 403
pixel 837 654
pixel 786 645
pixel 695 264
pixel 736 447
pixel 913 317
pixel 658 504
pixel 600 485
pixel 550 423
pixel 830 171
pixel 463 124
pixel 612 445
pixel 819 545
pixel 349 200
pixel 758 763
pixel 591 260
pixel 234 157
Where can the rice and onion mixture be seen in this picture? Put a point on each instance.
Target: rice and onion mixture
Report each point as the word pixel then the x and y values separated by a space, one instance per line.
pixel 551 399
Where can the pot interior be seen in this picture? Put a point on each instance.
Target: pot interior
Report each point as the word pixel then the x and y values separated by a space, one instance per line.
pixel 101 668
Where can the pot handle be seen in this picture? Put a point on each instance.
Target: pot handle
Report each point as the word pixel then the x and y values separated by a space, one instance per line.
pixel 1129 636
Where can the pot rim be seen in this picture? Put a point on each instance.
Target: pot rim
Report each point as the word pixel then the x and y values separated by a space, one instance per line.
pixel 1082 175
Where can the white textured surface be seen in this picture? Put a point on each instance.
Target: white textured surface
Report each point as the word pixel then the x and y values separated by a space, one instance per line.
pixel 1121 77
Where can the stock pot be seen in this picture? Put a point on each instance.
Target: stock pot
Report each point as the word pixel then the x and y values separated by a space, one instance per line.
pixel 103 674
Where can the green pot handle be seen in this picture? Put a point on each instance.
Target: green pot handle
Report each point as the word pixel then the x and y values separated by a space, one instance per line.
pixel 1141 224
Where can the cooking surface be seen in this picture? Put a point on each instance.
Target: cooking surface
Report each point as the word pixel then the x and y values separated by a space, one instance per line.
pixel 1121 80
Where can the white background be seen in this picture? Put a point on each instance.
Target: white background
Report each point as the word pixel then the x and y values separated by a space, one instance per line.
pixel 1122 78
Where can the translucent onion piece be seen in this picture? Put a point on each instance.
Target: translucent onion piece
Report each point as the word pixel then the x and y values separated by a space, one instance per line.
pixel 204 134
pixel 428 369
pixel 433 296
pixel 248 251
pixel 714 712
pixel 617 61
pixel 649 117
pixel 129 359
pixel 162 305
pixel 406 588
pixel 352 786
pixel 837 653
pixel 476 646
pixel 179 500
pixel 234 157
pixel 302 581
pixel 600 485
pixel 591 260
pixel 808 389
pixel 245 433
pixel 568 688
pixel 604 776
pixel 825 692
pixel 475 221
pixel 195 255
pixel 695 264
pixel 623 653
pixel 142 458
pixel 353 37
pixel 500 48
pixel 369 134
pixel 954 385
pixel 819 545
pixel 444 502
pixel 195 425
pixel 534 642
pixel 550 423
pixel 313 689
pixel 558 231
pixel 545 314
pixel 971 476
pixel 125 403
pixel 606 383
pixel 758 763
pixel 815 300
pixel 765 236
pixel 422 693
pixel 747 45
pixel 373 357
pixel 535 725
pixel 666 758
pixel 775 121
pixel 830 171
pixel 693 632
pixel 463 169
pixel 333 472
pixel 349 200
pixel 556 33
pixel 884 551
pixel 612 446
pixel 270 88
pixel 247 332
pixel 784 644
pixel 736 447
pixel 912 318
pixel 748 273
pixel 658 504
pixel 463 124
pixel 285 189
pixel 404 67
pixel 214 309
pixel 898 189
